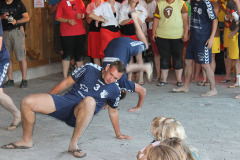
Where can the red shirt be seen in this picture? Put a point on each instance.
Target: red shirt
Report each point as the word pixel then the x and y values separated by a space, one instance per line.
pixel 68 10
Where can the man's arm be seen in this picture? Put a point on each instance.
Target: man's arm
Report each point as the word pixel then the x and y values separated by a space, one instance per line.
pixel 66 83
pixel 141 96
pixel 209 42
pixel 113 114
pixel 237 2
pixel 24 19
pixel 52 8
pixel 184 13
pixel 155 23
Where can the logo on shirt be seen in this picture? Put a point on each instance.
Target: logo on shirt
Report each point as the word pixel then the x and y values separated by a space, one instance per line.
pixel 83 87
pixel 135 43
pixel 104 94
pixel 168 11
pixel 197 10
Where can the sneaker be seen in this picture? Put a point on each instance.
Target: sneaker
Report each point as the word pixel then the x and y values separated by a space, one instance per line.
pixel 9 83
pixel 23 84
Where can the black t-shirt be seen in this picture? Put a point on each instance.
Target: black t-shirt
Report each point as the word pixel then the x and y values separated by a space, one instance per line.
pixel 16 9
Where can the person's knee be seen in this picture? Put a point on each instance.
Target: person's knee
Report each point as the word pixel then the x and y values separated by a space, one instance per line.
pixel 89 103
pixel 178 64
pixel 26 103
pixel 165 64
pixel 66 57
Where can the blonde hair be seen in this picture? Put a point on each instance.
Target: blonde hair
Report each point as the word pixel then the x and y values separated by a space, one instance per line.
pixel 155 125
pixel 163 152
pixel 173 129
pixel 180 147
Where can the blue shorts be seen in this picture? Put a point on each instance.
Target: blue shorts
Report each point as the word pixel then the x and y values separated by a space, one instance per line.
pixel 65 106
pixel 197 50
pixel 4 63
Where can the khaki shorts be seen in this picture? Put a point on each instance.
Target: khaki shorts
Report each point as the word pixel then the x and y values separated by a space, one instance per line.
pixel 15 41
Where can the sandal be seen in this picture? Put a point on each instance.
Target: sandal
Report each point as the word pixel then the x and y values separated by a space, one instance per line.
pixel 233 86
pixel 141 83
pixel 161 84
pixel 15 125
pixel 179 84
pixel 13 146
pixel 203 83
pixel 83 154
pixel 225 81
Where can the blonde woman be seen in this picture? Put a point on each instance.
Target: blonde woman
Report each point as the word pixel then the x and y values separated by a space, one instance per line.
pixel 108 14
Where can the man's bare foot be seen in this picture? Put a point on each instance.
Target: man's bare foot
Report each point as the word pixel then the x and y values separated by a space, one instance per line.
pixel 210 93
pixel 237 97
pixel 135 109
pixel 149 72
pixel 181 89
pixel 76 152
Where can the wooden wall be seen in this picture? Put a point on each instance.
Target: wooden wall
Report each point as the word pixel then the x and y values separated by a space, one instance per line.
pixel 39 37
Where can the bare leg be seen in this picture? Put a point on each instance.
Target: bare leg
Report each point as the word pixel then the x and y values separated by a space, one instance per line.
pixel 197 72
pixel 23 67
pixel 164 75
pixel 42 103
pixel 187 76
pixel 65 67
pixel 140 61
pixel 228 67
pixel 7 102
pixel 97 61
pixel 157 65
pixel 144 67
pixel 83 112
pixel 79 64
pixel 178 73
pixel 210 75
pixel 237 68
pixel 130 73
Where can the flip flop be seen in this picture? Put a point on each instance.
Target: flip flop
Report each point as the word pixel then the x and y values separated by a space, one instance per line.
pixel 15 125
pixel 141 83
pixel 233 86
pixel 161 84
pixel 14 146
pixel 225 81
pixel 78 151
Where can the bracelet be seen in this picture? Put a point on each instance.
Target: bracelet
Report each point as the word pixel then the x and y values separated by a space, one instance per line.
pixel 83 15
pixel 67 20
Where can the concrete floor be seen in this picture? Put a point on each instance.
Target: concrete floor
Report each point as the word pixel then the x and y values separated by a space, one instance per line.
pixel 212 124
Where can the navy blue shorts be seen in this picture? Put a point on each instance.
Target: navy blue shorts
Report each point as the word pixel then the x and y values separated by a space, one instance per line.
pixel 65 106
pixel 198 51
pixel 4 63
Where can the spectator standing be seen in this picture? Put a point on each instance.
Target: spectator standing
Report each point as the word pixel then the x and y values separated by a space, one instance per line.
pixel 70 14
pixel 53 4
pixel 14 15
pixel 202 31
pixel 151 7
pixel 5 100
pixel 94 34
pixel 170 28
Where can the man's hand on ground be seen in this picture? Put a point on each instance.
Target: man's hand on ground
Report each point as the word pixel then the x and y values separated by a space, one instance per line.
pixel 135 109
pixel 122 137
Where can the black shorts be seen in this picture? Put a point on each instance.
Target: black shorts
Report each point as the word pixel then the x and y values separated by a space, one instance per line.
pixel 73 47
pixel 170 48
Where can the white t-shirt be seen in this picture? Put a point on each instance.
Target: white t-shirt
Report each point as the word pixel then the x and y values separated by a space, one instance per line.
pixel 106 12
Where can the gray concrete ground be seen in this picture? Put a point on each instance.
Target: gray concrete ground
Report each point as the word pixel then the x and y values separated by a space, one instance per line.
pixel 212 124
